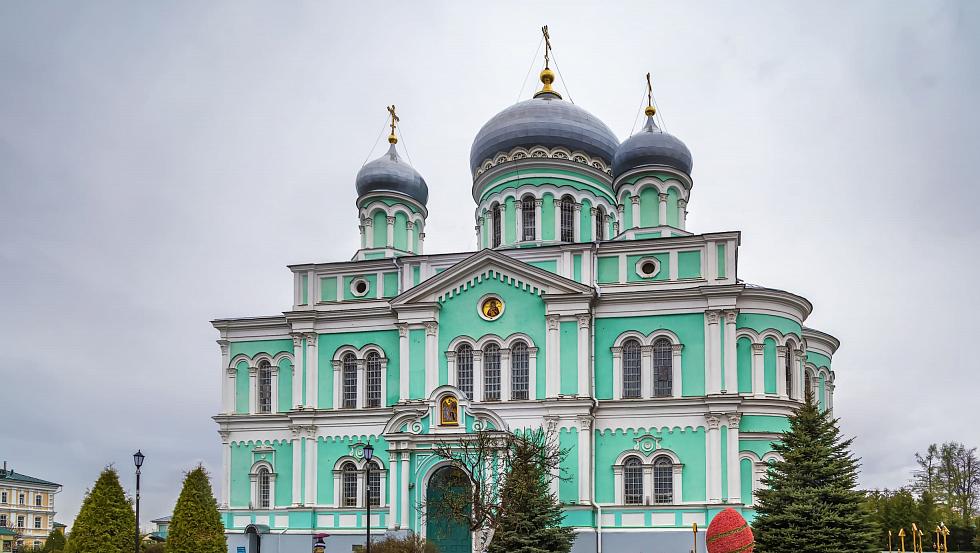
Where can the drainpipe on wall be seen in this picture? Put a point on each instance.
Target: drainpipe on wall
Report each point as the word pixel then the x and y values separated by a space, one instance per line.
pixel 595 404
pixel 279 540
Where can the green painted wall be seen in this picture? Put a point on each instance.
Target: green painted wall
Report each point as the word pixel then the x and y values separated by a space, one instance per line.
pixel 745 467
pixel 390 284
pixel 633 276
pixel 687 443
pixel 627 213
pixel 556 177
pixel 585 221
pixel 722 260
pixel 689 264
pixel 822 393
pixel 331 449
pixel 510 221
pixel 401 231
pixel 550 265
pixel 243 457
pixel 387 340
pixel 649 207
pixel 304 284
pixel 760 322
pixel 568 333
pixel 241 387
pixel 763 423
pixel 689 328
pixel 818 359
pixel 672 210
pixel 416 367
pixel 769 365
pixel 608 269
pixel 285 385
pixel 759 447
pixel 548 216
pixel 328 289
pixel 577 268
pixel 380 225
pixel 416 275
pixel 743 353
pixel 241 463
pixel 271 347
pixel 372 280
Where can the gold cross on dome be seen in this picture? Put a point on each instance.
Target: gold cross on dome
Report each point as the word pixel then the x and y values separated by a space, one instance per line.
pixel 547 44
pixel 394 121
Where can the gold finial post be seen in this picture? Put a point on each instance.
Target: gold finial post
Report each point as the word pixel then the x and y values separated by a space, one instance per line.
pixel 694 528
pixel 650 110
pixel 915 530
pixel 901 537
pixel 392 139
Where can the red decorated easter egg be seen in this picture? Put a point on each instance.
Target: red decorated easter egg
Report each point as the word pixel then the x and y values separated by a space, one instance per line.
pixel 729 533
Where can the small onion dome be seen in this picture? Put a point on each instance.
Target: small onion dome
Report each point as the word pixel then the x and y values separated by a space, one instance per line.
pixel 652 146
pixel 389 173
pixel 545 120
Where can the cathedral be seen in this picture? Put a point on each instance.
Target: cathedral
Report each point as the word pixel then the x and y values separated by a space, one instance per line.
pixel 588 310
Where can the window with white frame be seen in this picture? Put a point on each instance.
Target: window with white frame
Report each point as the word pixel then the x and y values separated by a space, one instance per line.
pixel 349 375
pixel 567 219
pixel 464 369
pixel 373 378
pixel 520 370
pixel 600 224
pixel 663 480
pixel 663 369
pixel 37 500
pixel 789 371
pixel 264 491
pixel 20 521
pixel 633 481
pixel 3 497
pixel 265 387
pixel 631 369
pixel 527 218
pixel 491 372
pixel 3 521
pixel 22 499
pixel 495 224
pixel 374 483
pixel 810 384
pixel 348 482
pixel 37 523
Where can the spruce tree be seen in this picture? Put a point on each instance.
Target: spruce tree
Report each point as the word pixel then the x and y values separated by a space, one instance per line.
pixel 196 524
pixel 55 543
pixel 105 523
pixel 809 504
pixel 530 520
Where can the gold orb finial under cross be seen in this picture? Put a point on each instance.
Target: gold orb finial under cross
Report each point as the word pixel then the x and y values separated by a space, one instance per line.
pixel 547 75
pixel 650 111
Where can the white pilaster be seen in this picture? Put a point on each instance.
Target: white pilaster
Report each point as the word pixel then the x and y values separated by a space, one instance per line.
pixel 403 362
pixel 337 379
pixel 781 352
pixel 682 213
pixel 712 351
pixel 297 466
pixel 713 425
pixel 553 358
pixel 537 218
pixel 310 442
pixel 422 241
pixel 532 373
pixel 225 468
pixel 731 354
pixel 227 380
pixel 584 349
pixel 577 222
pixel 311 370
pixel 391 233
pixel 662 214
pixel 519 221
pixel 361 385
pixel 392 490
pixel 368 234
pixel 585 459
pixel 274 392
pixel 646 371
pixel 410 238
pixel 404 518
pixel 557 219
pixel 297 381
pixel 676 372
pixel 431 357
pixel 477 375
pixel 617 356
pixel 758 370
pixel 253 404
pixel 506 375
pixel 635 201
pixel 734 465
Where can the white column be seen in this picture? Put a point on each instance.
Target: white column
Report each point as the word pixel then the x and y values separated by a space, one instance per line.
pixel 734 465
pixel 477 375
pixel 758 370
pixel 231 390
pixel 557 219
pixel 731 354
pixel 368 233
pixel 798 378
pixel 384 382
pixel 552 429
pixel 682 213
pixel 712 350
pixel 584 459
pixel 617 355
pixel 635 201
pixel 337 381
pixel 391 231
pixel 676 372
pixel 392 490
pixel 362 229
pixel 537 218
pixel 618 224
pixel 505 375
pixel 584 349
pixel 829 391
pixel 311 466
pixel 532 373
pixel 403 362
pixel 274 400
pixel 311 370
pixel 519 221
pixel 479 236
pixel 404 518
pixel 577 222
pixel 227 380
pixel 662 215
pixel 781 352
pixel 225 468
pixel 553 358
pixel 713 425
pixel 592 216
pixel 431 359
pixel 422 241
pixel 361 385
pixel 410 237
pixel 646 371
pixel 297 381
pixel 297 467
pixel 253 405
pixel 647 484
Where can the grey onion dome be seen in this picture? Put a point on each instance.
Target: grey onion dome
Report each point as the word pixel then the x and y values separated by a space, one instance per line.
pixel 652 146
pixel 545 120
pixel 389 173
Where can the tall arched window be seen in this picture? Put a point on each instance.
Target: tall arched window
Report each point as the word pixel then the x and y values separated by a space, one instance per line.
pixel 491 372
pixel 464 369
pixel 810 384
pixel 663 360
pixel 600 224
pixel 567 219
pixel 265 387
pixel 527 218
pixel 495 224
pixel 348 484
pixel 631 369
pixel 520 370
pixel 374 484
pixel 789 371
pixel 632 481
pixel 350 381
pixel 264 489
pixel 373 377
pixel 663 480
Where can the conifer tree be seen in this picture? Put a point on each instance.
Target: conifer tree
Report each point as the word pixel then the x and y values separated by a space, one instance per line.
pixel 531 522
pixel 105 523
pixel 196 524
pixel 55 543
pixel 809 503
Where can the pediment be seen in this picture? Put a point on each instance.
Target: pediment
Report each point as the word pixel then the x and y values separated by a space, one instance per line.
pixel 490 264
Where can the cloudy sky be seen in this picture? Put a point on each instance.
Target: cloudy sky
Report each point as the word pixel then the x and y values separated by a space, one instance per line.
pixel 162 162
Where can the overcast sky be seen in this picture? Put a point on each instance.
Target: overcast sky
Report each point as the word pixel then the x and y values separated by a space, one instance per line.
pixel 162 162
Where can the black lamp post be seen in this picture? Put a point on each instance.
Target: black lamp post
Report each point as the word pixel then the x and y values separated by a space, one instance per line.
pixel 368 455
pixel 138 461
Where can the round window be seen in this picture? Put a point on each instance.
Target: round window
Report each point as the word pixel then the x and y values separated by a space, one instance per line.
pixel 648 267
pixel 359 287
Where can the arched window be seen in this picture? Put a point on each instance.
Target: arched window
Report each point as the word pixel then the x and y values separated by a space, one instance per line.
pixel 527 218
pixel 663 480
pixel 600 224
pixel 464 369
pixel 348 484
pixel 374 484
pixel 520 370
pixel 264 491
pixel 631 369
pixel 373 378
pixel 495 224
pixel 567 219
pixel 265 387
pixel 491 372
pixel 632 481
pixel 789 371
pixel 810 384
pixel 663 361
pixel 350 381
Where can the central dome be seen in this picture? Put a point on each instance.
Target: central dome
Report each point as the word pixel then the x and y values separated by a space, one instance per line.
pixel 547 121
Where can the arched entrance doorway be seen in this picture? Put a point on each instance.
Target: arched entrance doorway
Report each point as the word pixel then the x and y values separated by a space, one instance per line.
pixel 450 536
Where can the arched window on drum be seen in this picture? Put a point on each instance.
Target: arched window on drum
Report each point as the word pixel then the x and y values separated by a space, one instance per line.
pixel 528 219
pixel 520 370
pixel 631 369
pixel 663 368
pixel 632 481
pixel 464 369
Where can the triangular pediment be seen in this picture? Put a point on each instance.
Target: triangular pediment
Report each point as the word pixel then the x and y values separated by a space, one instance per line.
pixel 490 264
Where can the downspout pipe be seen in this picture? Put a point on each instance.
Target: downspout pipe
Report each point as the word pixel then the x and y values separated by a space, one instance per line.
pixel 597 509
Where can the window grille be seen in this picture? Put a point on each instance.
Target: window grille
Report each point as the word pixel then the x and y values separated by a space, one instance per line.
pixel 265 387
pixel 600 224
pixel 495 222
pixel 632 481
pixel 373 377
pixel 464 369
pixel 663 361
pixel 520 370
pixel 264 491
pixel 374 484
pixel 348 484
pixel 789 372
pixel 631 369
pixel 567 219
pixel 527 218
pixel 350 381
pixel 491 372
pixel 663 480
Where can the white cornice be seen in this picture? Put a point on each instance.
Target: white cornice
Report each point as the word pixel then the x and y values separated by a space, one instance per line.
pixel 820 341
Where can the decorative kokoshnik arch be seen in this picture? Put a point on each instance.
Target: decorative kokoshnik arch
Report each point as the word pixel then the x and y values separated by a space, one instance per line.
pixel 640 360
pixel 648 478
pixel 263 381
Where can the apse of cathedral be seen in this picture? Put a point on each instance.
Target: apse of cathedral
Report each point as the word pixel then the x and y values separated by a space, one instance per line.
pixel 587 309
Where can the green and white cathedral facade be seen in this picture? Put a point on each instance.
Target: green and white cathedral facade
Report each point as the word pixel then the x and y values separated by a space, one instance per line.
pixel 588 309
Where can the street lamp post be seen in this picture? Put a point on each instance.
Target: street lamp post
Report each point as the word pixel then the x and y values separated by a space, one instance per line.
pixel 368 455
pixel 138 461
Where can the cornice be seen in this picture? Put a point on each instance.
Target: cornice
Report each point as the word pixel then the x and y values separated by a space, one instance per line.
pixel 666 242
pixel 353 267
pixel 530 163
pixel 365 199
pixel 814 337
pixel 685 179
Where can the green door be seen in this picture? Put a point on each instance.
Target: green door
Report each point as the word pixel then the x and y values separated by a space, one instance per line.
pixel 449 535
